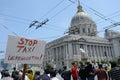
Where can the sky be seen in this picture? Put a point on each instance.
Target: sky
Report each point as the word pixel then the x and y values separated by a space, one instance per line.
pixel 17 15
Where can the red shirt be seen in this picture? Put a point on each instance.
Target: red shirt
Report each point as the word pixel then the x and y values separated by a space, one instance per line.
pixel 74 72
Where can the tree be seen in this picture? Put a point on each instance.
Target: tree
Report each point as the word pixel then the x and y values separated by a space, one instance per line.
pixel 118 61
pixel 48 65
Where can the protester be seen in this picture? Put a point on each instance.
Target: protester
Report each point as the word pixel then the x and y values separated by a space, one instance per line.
pixel 89 69
pixel 6 76
pixel 114 73
pixel 16 76
pixel 0 75
pixel 74 71
pixel 14 70
pixel 37 75
pixel 41 71
pixel 101 73
pixel 45 75
pixel 21 75
pixel 53 74
pixel 66 75
pixel 82 72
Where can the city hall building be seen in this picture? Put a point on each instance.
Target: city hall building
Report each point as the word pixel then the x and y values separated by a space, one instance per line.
pixel 82 42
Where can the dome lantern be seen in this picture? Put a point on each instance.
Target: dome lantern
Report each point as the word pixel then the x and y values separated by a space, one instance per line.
pixel 79 7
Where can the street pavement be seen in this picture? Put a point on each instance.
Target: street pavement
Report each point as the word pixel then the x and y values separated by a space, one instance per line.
pixel 60 78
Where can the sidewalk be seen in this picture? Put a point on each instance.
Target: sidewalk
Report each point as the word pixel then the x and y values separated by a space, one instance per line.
pixel 60 78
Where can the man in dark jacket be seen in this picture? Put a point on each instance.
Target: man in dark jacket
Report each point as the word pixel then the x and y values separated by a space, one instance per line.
pixel 82 72
pixel 66 75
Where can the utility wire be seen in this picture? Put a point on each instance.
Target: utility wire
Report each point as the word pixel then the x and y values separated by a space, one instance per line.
pixel 45 21
pixel 9 29
pixel 95 12
pixel 28 19
pixel 53 8
pixel 111 16
pixel 15 17
pixel 50 37
pixel 104 18
pixel 11 20
pixel 72 1
pixel 60 11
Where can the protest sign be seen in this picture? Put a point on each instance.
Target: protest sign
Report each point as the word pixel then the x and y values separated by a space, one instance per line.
pixel 25 51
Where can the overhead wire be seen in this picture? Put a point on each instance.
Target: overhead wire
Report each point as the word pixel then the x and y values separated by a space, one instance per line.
pixel 23 19
pixel 27 19
pixel 15 21
pixel 5 27
pixel 100 15
pixel 60 11
pixel 40 23
pixel 15 17
pixel 49 12
pixel 50 37
pixel 111 16
pixel 54 26
pixel 53 8
pixel 72 2
pixel 95 12
pixel 57 12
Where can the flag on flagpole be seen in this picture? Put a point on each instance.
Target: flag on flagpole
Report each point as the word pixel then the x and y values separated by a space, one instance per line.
pixel 83 51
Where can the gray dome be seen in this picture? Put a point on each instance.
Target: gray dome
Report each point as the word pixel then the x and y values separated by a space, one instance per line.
pixel 82 24
pixel 81 18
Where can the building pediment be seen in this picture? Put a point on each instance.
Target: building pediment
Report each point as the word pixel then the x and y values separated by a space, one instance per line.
pixel 82 40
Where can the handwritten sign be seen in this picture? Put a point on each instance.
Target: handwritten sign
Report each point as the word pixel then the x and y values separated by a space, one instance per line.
pixel 25 51
pixel 26 45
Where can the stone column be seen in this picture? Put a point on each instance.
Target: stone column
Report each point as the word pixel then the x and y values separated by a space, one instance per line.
pixel 102 52
pixel 106 52
pixel 66 55
pixel 97 52
pixel 110 54
pixel 109 51
pixel 94 52
pixel 90 52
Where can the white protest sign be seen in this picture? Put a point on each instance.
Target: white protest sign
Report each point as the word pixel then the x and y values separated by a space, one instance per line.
pixel 77 57
pixel 25 51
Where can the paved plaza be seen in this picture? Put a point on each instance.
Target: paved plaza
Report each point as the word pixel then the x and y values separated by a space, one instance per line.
pixel 60 78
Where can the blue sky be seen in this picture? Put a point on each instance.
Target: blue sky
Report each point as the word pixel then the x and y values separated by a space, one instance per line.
pixel 16 16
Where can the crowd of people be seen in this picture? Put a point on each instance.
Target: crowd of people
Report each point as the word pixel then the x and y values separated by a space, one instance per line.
pixel 81 72
pixel 49 74
pixel 88 72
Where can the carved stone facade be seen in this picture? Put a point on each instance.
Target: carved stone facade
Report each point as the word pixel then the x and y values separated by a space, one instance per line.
pixel 114 38
pixel 82 34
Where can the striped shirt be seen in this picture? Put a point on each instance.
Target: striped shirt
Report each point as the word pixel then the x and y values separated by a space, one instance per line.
pixel 115 73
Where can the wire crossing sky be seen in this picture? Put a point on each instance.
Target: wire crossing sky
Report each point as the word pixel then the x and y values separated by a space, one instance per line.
pixel 17 15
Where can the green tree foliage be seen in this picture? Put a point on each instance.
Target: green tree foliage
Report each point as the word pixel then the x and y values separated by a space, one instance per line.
pixel 48 65
pixel 118 61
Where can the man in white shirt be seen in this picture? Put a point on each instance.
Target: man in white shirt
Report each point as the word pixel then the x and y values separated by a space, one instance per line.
pixel 53 75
